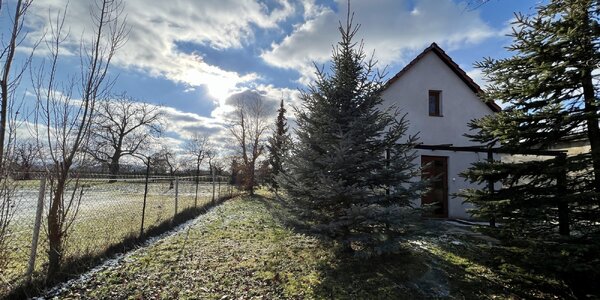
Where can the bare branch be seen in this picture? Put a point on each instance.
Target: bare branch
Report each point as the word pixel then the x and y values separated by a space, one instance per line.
pixel 8 80
pixel 248 128
pixel 68 122
pixel 121 127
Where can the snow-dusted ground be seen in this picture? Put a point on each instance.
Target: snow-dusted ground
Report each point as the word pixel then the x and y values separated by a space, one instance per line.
pixel 241 250
pixel 102 196
pixel 115 260
pixel 433 282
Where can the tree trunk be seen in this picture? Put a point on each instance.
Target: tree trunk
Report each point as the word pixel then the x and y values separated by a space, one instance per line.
pixel 593 129
pixel 4 96
pixel 251 182
pixel 8 57
pixel 172 178
pixel 197 183
pixel 55 242
pixel 26 172
pixel 563 204
pixel 346 247
pixel 114 166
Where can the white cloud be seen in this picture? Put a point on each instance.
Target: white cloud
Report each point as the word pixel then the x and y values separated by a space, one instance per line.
pixel 477 76
pixel 158 26
pixel 186 124
pixel 393 27
pixel 160 30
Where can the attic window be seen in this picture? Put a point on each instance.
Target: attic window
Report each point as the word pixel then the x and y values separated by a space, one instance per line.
pixel 435 103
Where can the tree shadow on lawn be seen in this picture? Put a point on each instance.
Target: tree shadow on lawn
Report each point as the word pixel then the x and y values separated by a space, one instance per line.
pixel 478 268
pixel 434 262
pixel 408 274
pixel 567 268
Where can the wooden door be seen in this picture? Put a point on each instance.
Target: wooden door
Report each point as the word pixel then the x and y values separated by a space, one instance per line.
pixel 435 168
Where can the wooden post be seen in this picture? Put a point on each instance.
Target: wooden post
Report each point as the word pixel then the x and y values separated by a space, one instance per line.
pixel 490 159
pixel 213 184
pixel 36 229
pixel 561 192
pixel 197 183
pixel 176 195
pixel 145 196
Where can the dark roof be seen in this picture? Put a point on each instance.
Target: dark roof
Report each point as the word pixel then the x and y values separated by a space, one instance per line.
pixel 452 65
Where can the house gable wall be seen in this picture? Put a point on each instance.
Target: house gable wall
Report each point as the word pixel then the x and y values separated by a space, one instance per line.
pixel 460 105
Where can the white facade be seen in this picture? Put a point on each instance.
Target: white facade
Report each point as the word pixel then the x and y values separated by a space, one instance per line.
pixel 409 91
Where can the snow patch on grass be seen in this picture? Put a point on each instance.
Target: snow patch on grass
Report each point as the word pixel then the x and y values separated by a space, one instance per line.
pixel 117 260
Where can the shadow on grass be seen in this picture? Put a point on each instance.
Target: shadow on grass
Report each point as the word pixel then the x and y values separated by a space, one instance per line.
pixel 569 269
pixel 74 267
pixel 451 264
pixel 517 269
pixel 392 276
pixel 403 275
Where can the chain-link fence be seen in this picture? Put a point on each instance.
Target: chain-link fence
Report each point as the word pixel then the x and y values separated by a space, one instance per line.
pixel 102 213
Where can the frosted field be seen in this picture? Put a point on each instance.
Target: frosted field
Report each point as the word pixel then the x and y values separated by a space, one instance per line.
pixel 107 214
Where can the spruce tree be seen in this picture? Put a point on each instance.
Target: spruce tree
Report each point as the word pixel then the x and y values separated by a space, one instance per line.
pixel 549 86
pixel 338 172
pixel 278 146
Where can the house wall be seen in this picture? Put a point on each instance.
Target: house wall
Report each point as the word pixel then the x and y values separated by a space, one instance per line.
pixel 458 162
pixel 575 147
pixel 459 105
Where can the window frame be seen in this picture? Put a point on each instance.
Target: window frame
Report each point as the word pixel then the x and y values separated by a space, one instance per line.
pixel 438 102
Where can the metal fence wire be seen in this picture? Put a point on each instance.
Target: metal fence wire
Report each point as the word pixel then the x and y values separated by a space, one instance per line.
pixel 104 212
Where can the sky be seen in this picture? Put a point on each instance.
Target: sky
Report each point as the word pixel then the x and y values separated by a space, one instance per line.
pixel 196 58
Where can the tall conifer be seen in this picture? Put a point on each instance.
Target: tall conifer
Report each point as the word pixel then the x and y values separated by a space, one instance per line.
pixel 278 146
pixel 339 173
pixel 550 88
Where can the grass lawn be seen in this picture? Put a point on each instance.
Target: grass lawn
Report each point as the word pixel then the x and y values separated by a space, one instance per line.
pixel 110 214
pixel 242 249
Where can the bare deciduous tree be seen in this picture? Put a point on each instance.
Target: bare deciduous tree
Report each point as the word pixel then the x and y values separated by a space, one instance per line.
pixel 168 158
pixel 121 126
pixel 171 159
pixel 25 154
pixel 67 121
pixel 211 154
pixel 196 147
pixel 9 79
pixel 248 127
pixel 218 166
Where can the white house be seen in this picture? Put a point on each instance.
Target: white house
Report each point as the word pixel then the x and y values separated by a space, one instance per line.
pixel 440 99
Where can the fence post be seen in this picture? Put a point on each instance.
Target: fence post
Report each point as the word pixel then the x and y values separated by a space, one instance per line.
pixel 176 195
pixel 219 192
pixel 145 195
pixel 213 184
pixel 196 194
pixel 563 206
pixel 36 229
pixel 490 159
